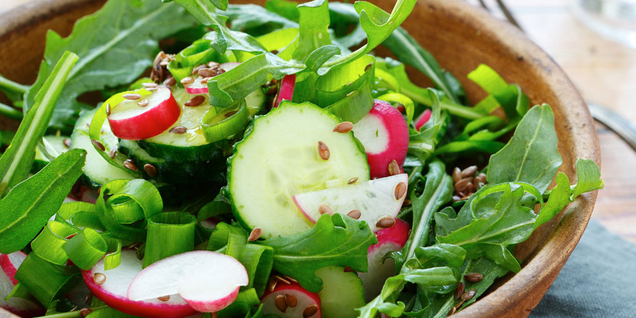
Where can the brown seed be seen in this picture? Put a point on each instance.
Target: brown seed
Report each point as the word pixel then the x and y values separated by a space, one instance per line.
pixel 352 180
pixel 291 279
pixel 354 214
pixel 186 80
pixel 195 101
pixel 70 236
pixel 255 234
pixel 131 96
pixel 469 172
pixel 469 294
pixel 271 284
pixel 474 277
pixel 229 114
pixel 394 168
pixel 452 311
pixel 210 72
pixel 107 109
pixel 323 150
pixel 280 303
pixel 325 209
pixel 98 144
pixel 348 269
pixel 400 190
pixel 407 202
pixel 129 164
pixel 310 311
pixel 470 187
pixel 150 170
pixel 164 298
pixel 480 180
pixel 459 291
pixel 67 142
pixel 178 130
pixel 84 312
pixel 385 222
pixel 343 127
pixel 112 153
pixel 461 185
pixel 170 81
pixel 457 174
pixel 368 67
pixel 149 85
pixel 143 103
pixel 99 278
pixel 205 80
pixel 291 300
pixel 213 64
pixel 282 280
pixel 196 69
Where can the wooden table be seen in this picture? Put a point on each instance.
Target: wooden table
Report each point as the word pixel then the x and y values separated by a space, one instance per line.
pixel 605 73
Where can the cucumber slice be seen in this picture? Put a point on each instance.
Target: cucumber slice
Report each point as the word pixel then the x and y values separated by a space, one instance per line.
pixel 54 145
pixel 341 293
pixel 97 171
pixel 278 158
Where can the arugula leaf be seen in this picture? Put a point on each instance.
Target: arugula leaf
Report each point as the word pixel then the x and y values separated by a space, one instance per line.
pixel 30 204
pixel 115 46
pixel 438 190
pixel 334 240
pixel 10 112
pixel 313 28
pixel 513 101
pixel 251 16
pixel 423 143
pixel 531 155
pixel 16 162
pixel 13 90
pixel 588 178
pixel 287 9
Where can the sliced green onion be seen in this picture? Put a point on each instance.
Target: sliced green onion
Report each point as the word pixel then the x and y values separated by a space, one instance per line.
pixel 113 258
pixel 48 245
pixel 19 291
pixel 46 281
pixel 212 209
pixel 280 40
pixel 137 192
pixel 80 214
pixel 169 233
pixel 227 123
pixel 408 103
pixel 385 79
pixel 86 248
pixel 243 305
pixel 199 52
pixel 258 261
pixel 228 239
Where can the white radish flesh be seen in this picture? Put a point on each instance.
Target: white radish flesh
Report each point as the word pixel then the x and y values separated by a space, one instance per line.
pixel 291 301
pixel 22 307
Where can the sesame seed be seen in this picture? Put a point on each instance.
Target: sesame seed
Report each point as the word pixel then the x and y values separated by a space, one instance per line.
pixel 255 234
pixel 150 170
pixel 343 127
pixel 385 222
pixel 99 278
pixel 179 130
pixel 400 190
pixel 132 96
pixel 310 311
pixel 143 103
pixel 323 150
pixel 325 209
pixel 98 145
pixel 354 214
pixel 291 300
pixel 280 303
pixel 195 101
pixel 164 298
pixel 130 165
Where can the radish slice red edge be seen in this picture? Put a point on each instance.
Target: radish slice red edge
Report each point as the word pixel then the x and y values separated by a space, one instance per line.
pixel 286 89
pixel 197 87
pixel 293 301
pixel 9 264
pixel 426 115
pixel 130 121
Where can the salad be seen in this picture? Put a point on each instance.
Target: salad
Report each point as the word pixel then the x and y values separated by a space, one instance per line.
pixel 248 161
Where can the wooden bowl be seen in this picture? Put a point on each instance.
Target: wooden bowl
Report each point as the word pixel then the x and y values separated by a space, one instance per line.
pixel 460 37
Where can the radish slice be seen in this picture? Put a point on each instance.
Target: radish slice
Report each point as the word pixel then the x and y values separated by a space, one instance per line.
pixel 426 115
pixel 197 87
pixel 385 136
pixel 130 121
pixel 389 240
pixel 114 290
pixel 286 89
pixel 374 199
pixel 22 307
pixel 291 301
pixel 207 281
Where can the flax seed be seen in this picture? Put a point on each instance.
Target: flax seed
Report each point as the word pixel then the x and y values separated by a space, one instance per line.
pixel 130 165
pixel 186 80
pixel 280 303
pixel 164 298
pixel 67 142
pixel 195 101
pixel 170 81
pixel 179 130
pixel 84 312
pixel 98 144
pixel 400 190
pixel 99 278
pixel 474 277
pixel 112 153
pixel 150 170
pixel 469 172
pixel 291 300
pixel 271 284
pixel 459 291
pixel 323 150
pixel 385 222
pixel 310 311
pixel 469 294
pixel 343 127
pixel 461 185
pixel 255 234
pixel 325 209
pixel 394 168
pixel 291 279
pixel 352 180
pixel 457 174
pixel 354 214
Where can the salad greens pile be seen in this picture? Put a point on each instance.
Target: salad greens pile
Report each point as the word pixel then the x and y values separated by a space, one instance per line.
pixel 453 235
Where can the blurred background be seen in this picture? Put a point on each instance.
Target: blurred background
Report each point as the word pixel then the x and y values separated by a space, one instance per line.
pixel 594 41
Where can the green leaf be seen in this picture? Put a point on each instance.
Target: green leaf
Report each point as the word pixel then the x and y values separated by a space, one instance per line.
pixel 251 16
pixel 588 177
pixel 513 101
pixel 313 28
pixel 46 281
pixel 486 146
pixel 14 91
pixel 406 48
pixel 438 190
pixel 115 45
pixel 488 269
pixel 220 4
pixel 423 143
pixel 287 9
pixel 30 204
pixel 16 162
pixel 531 155
pixel 384 302
pixel 336 240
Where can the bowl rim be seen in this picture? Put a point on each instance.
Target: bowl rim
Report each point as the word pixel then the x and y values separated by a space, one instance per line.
pixel 539 272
